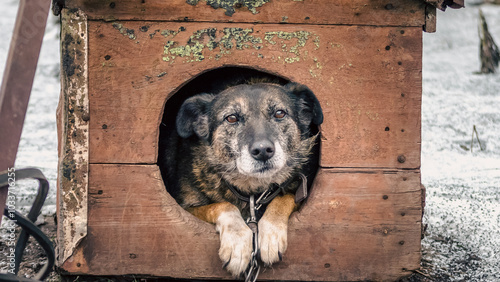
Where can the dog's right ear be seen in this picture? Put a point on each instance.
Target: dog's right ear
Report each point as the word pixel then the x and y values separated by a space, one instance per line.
pixel 193 116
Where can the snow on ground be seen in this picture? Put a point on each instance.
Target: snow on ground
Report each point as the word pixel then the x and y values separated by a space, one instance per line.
pixel 38 146
pixel 463 187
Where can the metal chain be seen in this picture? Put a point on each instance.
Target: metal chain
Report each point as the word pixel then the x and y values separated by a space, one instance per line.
pixel 253 271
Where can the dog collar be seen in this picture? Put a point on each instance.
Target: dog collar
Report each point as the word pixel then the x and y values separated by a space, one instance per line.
pixel 267 196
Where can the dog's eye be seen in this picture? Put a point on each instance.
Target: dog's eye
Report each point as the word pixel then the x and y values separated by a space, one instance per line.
pixel 280 114
pixel 232 119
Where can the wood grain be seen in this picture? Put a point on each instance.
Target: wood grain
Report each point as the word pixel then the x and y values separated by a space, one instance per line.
pixel 341 12
pixel 368 80
pixel 354 226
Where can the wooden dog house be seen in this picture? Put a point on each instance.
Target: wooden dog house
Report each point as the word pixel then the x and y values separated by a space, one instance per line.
pixel 123 60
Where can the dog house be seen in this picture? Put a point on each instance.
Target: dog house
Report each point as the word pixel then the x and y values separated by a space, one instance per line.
pixel 123 60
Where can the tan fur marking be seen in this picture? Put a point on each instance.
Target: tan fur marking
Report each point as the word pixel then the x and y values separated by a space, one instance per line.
pixel 210 213
pixel 281 208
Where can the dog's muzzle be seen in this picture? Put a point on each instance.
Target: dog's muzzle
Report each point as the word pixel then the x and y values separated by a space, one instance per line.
pixel 262 150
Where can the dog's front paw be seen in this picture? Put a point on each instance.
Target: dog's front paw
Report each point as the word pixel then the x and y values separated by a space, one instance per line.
pixel 235 243
pixel 272 240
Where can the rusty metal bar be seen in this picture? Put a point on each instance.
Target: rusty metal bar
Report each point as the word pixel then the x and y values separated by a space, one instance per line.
pixel 18 78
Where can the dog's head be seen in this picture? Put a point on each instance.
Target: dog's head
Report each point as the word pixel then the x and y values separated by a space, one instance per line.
pixel 254 135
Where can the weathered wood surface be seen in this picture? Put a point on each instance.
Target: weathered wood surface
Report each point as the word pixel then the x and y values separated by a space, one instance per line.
pixel 368 80
pixel 430 19
pixel 341 12
pixel 355 225
pixel 489 53
pixel 73 135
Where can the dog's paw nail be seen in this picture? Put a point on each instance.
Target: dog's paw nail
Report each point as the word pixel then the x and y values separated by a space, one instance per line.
pixel 225 264
pixel 280 255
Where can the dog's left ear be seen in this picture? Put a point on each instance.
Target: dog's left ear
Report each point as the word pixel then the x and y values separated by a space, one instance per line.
pixel 193 116
pixel 308 107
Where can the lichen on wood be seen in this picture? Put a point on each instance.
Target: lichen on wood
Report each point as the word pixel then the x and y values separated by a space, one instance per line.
pixel 130 33
pixel 230 5
pixel 215 43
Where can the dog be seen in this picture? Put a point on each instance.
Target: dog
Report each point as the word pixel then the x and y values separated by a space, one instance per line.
pixel 242 141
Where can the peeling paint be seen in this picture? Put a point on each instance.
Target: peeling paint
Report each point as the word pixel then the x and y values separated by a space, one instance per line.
pixel 230 5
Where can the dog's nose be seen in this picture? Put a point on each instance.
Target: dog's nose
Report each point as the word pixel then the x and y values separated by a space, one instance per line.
pixel 262 150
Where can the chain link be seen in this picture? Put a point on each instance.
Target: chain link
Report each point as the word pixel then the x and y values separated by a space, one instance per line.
pixel 253 271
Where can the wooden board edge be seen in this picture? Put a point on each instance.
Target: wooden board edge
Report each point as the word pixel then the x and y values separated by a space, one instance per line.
pixel 73 134
pixel 397 13
pixel 430 19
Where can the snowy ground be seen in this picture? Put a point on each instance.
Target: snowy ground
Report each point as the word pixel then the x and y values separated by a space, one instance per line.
pixel 463 187
pixel 38 146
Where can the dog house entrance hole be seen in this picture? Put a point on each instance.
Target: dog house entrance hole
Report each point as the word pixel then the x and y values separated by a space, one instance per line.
pixel 212 81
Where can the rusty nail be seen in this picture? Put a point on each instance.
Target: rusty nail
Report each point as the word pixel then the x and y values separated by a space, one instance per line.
pixel 133 256
pixel 104 126
pixel 400 63
pixel 85 116
pixel 403 214
pixel 107 57
pixel 99 192
pixel 387 47
pixel 327 265
pixel 401 243
pixel 387 128
pixel 78 264
pixel 112 5
pixel 385 197
pixel 401 158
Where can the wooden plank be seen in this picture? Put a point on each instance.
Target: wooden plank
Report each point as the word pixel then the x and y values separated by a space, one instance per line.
pixel 356 225
pixel 136 227
pixel 430 19
pixel 356 12
pixel 73 135
pixel 368 80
